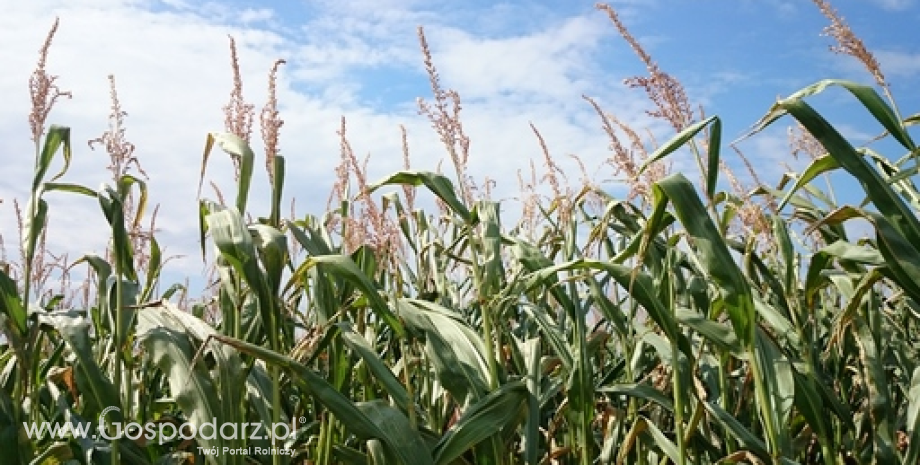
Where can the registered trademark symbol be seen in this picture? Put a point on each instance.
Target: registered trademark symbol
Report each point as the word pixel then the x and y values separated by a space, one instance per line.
pixel 302 420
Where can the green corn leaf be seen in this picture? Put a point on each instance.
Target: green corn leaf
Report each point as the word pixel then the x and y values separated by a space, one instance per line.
pixel 377 366
pixel 167 337
pixel 239 150
pixel 866 95
pixel 55 138
pixel 438 184
pixel 346 411
pixel 780 386
pixel 11 305
pixel 401 434
pixel 879 396
pixel 33 223
pixel 678 141
pixel 717 333
pixel 888 203
pixel 641 391
pixel 98 390
pixel 748 439
pixel 346 268
pixel 456 351
pixel 493 269
pixel 913 420
pixel 712 252
pixel 112 204
pixel 278 175
pixel 491 414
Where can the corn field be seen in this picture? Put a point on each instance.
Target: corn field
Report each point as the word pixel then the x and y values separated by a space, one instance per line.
pixel 694 322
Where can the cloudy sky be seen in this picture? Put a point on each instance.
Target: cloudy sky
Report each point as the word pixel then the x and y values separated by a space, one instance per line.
pixel 512 62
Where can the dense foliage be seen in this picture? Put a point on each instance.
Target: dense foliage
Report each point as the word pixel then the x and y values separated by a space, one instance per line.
pixel 674 327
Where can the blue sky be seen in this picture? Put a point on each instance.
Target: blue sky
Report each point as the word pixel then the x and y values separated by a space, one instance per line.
pixel 512 63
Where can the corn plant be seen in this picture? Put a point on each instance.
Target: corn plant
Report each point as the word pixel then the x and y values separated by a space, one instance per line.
pixel 689 323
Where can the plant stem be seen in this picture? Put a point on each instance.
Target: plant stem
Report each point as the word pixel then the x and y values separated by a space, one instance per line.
pixel 763 402
pixel 677 387
pixel 116 332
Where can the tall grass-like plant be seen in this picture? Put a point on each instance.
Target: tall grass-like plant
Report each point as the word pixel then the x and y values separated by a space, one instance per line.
pixel 695 321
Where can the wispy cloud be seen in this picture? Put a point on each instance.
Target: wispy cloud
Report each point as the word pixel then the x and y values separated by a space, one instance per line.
pixel 898 63
pixel 895 4
pixel 902 66
pixel 550 63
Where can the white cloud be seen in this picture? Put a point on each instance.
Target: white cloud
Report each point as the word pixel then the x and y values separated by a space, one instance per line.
pixel 545 64
pixel 896 5
pixel 785 8
pixel 897 63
